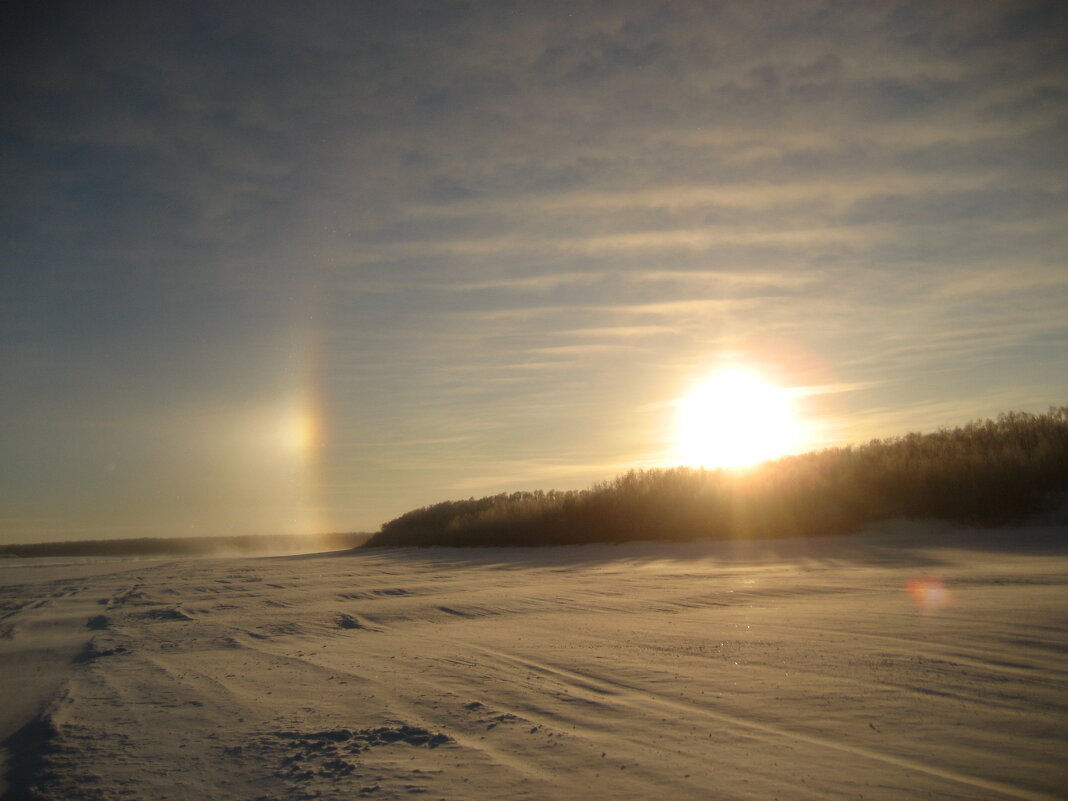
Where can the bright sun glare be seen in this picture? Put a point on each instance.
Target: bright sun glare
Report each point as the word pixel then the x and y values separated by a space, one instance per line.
pixel 735 418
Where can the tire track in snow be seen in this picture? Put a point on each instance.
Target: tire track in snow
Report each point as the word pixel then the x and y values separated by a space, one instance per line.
pixel 609 691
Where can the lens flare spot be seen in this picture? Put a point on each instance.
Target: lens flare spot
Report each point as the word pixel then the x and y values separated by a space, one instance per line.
pixel 930 594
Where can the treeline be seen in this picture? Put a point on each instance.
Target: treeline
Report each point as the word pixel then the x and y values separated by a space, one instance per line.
pixel 251 545
pixel 985 473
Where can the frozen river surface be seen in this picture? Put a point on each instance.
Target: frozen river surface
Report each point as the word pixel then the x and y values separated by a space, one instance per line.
pixel 896 665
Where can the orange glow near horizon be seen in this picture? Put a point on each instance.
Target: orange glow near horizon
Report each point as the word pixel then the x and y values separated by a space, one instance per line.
pixel 736 418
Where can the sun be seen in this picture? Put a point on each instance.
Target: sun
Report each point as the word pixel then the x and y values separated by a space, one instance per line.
pixel 735 418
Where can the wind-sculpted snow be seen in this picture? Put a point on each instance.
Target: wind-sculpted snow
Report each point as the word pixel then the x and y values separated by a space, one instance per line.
pixel 896 666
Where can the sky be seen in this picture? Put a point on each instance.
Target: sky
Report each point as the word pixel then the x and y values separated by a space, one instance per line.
pixel 273 267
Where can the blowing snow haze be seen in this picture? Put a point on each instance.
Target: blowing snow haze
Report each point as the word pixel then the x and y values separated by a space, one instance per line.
pixel 297 267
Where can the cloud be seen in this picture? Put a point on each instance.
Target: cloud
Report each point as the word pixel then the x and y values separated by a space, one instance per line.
pixel 535 283
pixel 989 204
pixel 697 278
pixel 618 331
pixel 1002 282
pixel 832 389
pixel 582 349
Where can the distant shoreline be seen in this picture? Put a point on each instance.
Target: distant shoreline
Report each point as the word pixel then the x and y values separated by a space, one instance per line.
pixel 251 545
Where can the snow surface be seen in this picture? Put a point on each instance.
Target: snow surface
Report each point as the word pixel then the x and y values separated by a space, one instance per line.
pixel 901 664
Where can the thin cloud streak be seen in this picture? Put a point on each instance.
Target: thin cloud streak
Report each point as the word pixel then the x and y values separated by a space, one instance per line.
pixel 748 278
